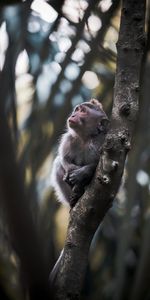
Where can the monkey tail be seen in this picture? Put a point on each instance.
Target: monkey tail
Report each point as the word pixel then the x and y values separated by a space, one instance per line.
pixel 54 272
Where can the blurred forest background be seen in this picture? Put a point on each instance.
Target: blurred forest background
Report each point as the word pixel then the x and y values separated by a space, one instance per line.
pixel 54 55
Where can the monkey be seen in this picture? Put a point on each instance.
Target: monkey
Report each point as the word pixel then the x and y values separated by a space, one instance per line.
pixel 78 155
pixel 79 151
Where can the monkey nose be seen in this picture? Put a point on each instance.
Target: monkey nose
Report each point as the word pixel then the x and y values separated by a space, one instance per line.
pixel 73 115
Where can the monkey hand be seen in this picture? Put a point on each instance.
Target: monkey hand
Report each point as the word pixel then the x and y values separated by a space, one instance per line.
pixel 81 175
pixel 66 179
pixel 75 176
pixel 69 170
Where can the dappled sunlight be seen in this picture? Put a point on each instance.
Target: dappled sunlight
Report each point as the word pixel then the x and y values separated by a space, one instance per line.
pixel 90 80
pixel 22 65
pixel 61 220
pixel 45 11
pixel 72 71
pixel 74 10
pixel 142 178
pixel 94 23
pixel 3 43
pixel 64 44
pixel 105 5
pixel 111 39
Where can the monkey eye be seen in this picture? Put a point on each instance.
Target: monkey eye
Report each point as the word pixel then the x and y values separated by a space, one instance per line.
pixel 76 108
pixel 82 109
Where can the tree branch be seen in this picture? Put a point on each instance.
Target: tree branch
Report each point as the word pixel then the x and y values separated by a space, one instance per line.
pixel 93 205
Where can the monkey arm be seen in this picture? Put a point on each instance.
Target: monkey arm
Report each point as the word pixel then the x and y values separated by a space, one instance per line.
pixel 77 179
pixel 69 167
pixel 66 154
pixel 68 170
pixel 81 175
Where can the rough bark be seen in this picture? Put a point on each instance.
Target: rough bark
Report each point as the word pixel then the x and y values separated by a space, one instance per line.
pixel 93 205
pixel 136 194
pixel 142 277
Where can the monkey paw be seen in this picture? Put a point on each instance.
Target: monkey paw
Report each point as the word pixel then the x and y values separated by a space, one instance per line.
pixel 67 179
pixel 74 177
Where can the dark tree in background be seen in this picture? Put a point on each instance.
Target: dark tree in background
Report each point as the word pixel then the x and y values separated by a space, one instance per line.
pixel 53 55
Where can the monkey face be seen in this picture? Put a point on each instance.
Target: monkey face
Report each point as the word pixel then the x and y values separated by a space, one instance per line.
pixel 77 117
pixel 86 118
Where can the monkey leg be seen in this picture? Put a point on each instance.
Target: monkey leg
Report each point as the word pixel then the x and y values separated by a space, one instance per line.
pixel 77 192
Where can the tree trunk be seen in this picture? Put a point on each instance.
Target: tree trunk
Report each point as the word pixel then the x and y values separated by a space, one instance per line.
pixel 86 216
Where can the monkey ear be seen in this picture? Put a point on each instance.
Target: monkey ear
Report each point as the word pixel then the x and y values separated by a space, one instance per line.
pixel 96 103
pixel 103 126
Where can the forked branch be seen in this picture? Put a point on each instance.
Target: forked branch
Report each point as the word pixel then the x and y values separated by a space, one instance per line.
pixel 86 216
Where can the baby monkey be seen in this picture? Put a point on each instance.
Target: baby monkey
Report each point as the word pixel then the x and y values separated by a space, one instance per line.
pixel 79 151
